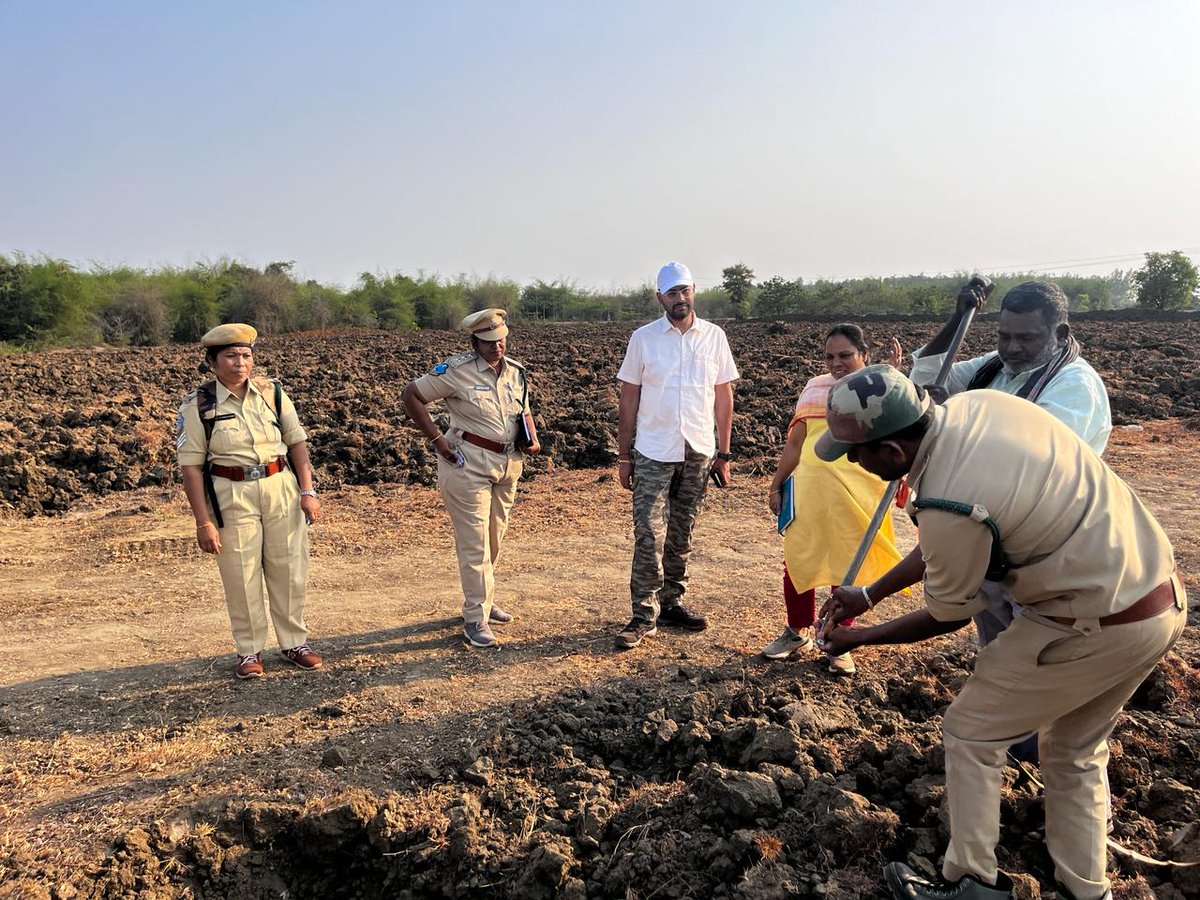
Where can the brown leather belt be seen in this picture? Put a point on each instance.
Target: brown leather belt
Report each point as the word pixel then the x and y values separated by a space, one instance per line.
pixel 1149 606
pixel 486 443
pixel 253 473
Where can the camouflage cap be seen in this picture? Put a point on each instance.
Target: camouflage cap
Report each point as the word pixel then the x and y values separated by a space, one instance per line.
pixel 868 405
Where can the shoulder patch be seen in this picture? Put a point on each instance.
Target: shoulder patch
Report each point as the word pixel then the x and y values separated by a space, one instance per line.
pixel 454 362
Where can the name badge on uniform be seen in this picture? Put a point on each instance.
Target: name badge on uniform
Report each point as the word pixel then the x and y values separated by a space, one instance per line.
pixel 482 387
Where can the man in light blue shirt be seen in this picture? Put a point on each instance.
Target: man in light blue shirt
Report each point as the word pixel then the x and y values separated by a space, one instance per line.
pixel 1035 357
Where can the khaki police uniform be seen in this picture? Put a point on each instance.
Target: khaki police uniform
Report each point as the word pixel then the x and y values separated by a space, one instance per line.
pixel 478 495
pixel 1091 570
pixel 1084 549
pixel 265 537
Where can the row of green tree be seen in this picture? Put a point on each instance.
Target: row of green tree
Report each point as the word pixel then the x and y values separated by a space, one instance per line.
pixel 46 301
pixel 1165 281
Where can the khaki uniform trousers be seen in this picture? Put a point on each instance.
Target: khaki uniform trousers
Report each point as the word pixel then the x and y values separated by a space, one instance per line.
pixel 478 497
pixel 1040 676
pixel 265 538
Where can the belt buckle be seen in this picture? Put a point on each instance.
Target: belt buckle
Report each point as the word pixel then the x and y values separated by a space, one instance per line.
pixel 255 472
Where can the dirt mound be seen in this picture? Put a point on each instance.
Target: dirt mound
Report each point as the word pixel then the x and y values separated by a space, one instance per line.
pixel 722 784
pixel 136 766
pixel 84 423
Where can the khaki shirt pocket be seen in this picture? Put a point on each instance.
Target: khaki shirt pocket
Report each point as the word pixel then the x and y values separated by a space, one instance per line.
pixel 229 436
pixel 485 402
pixel 512 399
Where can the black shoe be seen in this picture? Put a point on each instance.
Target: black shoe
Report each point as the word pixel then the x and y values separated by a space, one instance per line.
pixel 906 884
pixel 682 617
pixel 631 635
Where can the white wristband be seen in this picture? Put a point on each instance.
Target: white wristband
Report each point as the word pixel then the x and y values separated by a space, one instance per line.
pixel 866 596
pixel 309 493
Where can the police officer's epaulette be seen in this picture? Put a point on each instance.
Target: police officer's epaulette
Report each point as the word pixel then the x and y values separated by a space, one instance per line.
pixel 509 361
pixel 265 385
pixel 453 362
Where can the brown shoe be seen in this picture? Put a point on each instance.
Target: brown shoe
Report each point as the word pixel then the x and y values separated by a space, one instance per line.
pixel 631 635
pixel 303 657
pixel 249 666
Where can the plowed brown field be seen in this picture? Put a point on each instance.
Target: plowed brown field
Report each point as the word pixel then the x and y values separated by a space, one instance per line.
pixel 134 765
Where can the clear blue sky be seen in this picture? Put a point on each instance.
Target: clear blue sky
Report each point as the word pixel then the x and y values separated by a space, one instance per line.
pixel 595 141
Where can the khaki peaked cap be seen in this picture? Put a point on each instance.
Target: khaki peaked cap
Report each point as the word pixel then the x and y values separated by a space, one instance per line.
pixel 230 334
pixel 487 324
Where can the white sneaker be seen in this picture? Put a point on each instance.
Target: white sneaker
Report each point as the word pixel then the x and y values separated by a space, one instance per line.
pixel 841 665
pixel 788 642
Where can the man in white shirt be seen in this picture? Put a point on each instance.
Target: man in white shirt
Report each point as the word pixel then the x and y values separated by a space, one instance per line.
pixel 676 391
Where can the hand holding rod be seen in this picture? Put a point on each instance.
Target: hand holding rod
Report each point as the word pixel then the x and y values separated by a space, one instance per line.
pixel 974 295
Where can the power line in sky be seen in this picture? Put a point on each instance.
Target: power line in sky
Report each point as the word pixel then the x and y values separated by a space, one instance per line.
pixel 1087 261
pixel 708 281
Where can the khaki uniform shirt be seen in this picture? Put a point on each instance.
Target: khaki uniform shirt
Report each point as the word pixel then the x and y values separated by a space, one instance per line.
pixel 244 432
pixel 1082 544
pixel 483 402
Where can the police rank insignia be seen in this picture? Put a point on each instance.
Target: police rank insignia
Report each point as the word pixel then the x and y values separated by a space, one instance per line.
pixel 440 369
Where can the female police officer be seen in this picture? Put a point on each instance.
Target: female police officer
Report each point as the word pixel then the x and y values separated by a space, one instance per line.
pixel 235 436
pixel 480 457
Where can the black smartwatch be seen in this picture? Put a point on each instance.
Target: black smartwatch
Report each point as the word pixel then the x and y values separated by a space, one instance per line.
pixel 725 456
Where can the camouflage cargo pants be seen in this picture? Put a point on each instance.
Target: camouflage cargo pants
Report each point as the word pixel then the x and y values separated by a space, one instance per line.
pixel 666 501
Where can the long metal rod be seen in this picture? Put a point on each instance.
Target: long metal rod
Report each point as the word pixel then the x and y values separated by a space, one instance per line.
pixel 889 494
pixel 952 351
pixel 873 527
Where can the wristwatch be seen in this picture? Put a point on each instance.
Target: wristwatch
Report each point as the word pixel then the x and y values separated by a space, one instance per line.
pixel 311 492
pixel 724 456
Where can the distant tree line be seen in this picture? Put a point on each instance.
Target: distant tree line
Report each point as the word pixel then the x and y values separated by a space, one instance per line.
pixel 906 294
pixel 46 302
